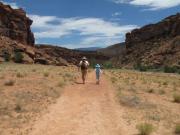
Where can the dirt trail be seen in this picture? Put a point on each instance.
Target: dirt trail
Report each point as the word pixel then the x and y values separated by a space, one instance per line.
pixel 88 109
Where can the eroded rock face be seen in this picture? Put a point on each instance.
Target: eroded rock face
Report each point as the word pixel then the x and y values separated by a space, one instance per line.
pixel 9 48
pixel 154 45
pixel 167 28
pixel 15 25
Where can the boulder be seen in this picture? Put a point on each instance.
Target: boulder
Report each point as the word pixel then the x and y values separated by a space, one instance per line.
pixel 43 61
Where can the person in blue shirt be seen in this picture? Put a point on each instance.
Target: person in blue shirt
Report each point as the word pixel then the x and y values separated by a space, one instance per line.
pixel 98 71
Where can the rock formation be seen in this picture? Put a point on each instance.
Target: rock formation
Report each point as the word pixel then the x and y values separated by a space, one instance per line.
pixel 155 44
pixel 15 25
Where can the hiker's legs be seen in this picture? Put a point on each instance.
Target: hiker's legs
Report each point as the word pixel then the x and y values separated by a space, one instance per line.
pixel 84 73
pixel 97 77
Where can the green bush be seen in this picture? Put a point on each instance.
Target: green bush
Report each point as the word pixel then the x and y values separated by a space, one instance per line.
pixel 145 128
pixel 172 69
pixel 18 57
pixel 7 56
pixel 177 128
pixel 140 67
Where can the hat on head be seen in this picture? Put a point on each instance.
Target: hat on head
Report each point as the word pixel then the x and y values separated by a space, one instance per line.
pixel 97 66
pixel 84 58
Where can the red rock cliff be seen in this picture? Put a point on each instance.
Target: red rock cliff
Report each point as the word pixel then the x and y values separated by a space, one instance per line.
pixel 15 24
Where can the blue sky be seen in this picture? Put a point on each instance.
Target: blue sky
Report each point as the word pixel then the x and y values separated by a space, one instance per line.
pixel 89 23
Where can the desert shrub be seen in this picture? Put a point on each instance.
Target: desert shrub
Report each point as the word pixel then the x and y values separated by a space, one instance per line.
pixel 176 97
pixel 140 67
pixel 33 70
pixel 165 83
pixel 9 83
pixel 172 69
pixel 6 56
pixel 18 108
pixel 61 83
pixel 150 90
pixel 145 128
pixel 177 128
pixel 18 57
pixel 19 75
pixel 46 74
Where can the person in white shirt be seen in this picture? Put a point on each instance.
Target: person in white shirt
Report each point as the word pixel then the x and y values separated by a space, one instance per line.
pixel 83 65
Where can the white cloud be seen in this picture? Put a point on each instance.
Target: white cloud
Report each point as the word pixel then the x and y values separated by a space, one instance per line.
pixel 152 4
pixel 12 4
pixel 95 30
pixel 117 14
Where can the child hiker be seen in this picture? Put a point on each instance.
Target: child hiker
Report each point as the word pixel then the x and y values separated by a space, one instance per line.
pixel 98 72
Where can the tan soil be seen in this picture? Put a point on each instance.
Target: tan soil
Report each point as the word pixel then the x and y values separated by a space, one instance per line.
pixel 88 109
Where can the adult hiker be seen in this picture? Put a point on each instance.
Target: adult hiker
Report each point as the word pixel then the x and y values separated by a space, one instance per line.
pixel 98 71
pixel 84 64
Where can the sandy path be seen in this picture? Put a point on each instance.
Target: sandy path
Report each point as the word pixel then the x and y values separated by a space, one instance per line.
pixel 88 109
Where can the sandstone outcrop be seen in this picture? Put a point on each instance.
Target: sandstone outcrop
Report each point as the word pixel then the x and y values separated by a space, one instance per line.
pixel 16 25
pixel 155 44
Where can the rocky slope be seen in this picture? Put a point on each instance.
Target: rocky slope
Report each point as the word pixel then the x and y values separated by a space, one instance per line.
pixel 15 25
pixel 113 50
pixel 154 45
pixel 53 54
pixel 9 48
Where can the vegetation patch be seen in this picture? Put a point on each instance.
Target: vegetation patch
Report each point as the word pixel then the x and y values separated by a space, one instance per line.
pixel 18 57
pixel 177 129
pixel 145 129
pixel 172 69
pixel 6 56
pixel 20 75
pixel 46 74
pixel 18 108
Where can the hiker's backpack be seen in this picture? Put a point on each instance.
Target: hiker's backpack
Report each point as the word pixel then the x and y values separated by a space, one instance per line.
pixel 84 65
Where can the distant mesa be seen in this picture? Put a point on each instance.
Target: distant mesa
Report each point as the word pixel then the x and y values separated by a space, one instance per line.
pixel 88 49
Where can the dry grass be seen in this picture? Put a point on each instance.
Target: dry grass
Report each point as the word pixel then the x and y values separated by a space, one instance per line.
pixel 27 90
pixel 148 97
pixel 145 129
